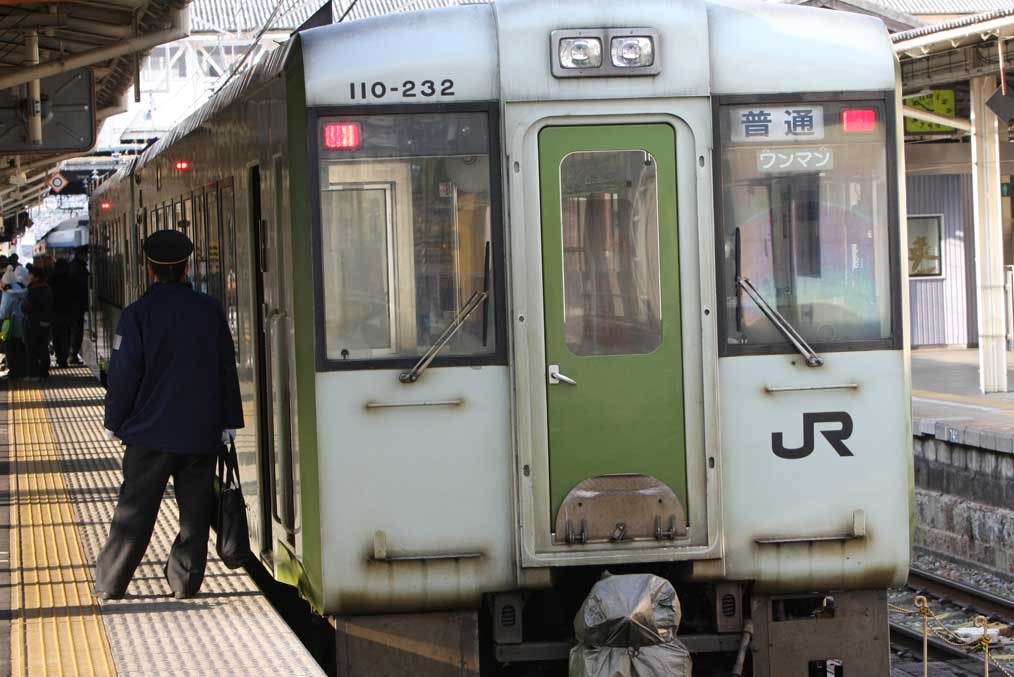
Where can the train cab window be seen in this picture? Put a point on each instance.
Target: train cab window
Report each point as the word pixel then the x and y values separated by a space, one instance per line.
pixel 612 284
pixel 805 225
pixel 406 235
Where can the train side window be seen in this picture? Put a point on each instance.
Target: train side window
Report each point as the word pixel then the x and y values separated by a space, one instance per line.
pixel 214 245
pixel 612 283
pixel 406 237
pixel 230 264
pixel 199 236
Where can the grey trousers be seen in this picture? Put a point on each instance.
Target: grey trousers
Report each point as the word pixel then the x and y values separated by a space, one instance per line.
pixel 145 474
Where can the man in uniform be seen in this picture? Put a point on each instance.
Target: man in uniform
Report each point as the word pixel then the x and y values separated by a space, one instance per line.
pixel 173 399
pixel 78 270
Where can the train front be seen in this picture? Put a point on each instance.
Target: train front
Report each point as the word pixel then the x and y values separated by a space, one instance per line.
pixel 611 287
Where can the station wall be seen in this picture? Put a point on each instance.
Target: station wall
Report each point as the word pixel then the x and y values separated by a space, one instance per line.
pixel 942 307
pixel 964 492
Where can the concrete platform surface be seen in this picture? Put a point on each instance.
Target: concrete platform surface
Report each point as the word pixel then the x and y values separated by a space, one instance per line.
pixel 64 477
pixel 947 404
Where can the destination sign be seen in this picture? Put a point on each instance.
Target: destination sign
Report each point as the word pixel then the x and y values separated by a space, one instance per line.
pixel 762 124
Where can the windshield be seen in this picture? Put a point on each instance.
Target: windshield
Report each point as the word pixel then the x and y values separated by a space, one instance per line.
pixel 804 193
pixel 406 219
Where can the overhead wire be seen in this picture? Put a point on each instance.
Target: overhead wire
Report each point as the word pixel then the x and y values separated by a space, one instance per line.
pixel 238 66
pixel 346 12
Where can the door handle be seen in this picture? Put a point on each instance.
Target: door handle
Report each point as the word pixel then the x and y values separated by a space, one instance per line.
pixel 556 377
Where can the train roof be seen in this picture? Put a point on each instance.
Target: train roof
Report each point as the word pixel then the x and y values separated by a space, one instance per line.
pixel 240 87
pixel 498 51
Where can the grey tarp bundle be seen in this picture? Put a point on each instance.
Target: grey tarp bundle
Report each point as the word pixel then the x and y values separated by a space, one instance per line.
pixel 627 628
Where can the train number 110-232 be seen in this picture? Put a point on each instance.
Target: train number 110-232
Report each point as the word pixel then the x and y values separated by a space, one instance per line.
pixel 409 89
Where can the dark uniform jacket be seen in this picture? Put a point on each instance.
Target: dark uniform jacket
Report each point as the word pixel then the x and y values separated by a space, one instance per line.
pixel 172 383
pixel 66 294
pixel 39 305
pixel 78 270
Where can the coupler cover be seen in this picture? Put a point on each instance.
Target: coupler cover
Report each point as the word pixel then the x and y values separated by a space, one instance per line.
pixel 626 627
pixel 620 507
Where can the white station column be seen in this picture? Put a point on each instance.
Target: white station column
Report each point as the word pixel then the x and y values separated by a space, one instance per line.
pixel 989 274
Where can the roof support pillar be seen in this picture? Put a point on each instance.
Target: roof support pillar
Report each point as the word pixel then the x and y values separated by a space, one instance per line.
pixel 986 211
pixel 33 103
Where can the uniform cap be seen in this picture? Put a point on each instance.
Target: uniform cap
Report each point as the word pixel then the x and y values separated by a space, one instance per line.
pixel 167 247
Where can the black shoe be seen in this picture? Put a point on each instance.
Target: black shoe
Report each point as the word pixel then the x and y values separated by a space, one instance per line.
pixel 183 595
pixel 75 362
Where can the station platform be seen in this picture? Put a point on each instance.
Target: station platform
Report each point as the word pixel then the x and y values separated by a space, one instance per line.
pixel 62 481
pixel 947 404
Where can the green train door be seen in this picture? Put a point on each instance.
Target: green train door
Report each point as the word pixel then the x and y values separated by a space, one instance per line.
pixel 614 353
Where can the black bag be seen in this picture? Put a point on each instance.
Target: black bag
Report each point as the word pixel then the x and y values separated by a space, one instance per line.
pixel 232 539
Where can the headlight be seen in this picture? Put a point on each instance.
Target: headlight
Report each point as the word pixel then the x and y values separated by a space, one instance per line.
pixel 633 52
pixel 580 53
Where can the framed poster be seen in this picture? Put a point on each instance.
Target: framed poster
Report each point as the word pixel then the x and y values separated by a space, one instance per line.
pixel 925 246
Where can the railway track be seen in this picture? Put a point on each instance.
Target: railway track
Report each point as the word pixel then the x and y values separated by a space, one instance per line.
pixel 997 609
pixel 957 605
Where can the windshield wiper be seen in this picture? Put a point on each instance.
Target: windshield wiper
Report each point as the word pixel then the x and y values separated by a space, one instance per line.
pixel 479 298
pixel 781 324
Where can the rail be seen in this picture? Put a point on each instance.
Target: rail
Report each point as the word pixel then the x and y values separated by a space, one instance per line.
pixel 990 605
pixel 991 621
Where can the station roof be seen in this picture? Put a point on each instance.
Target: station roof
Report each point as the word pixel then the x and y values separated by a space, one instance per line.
pixel 976 27
pixel 247 15
pixel 68 30
pixel 944 6
pixel 102 35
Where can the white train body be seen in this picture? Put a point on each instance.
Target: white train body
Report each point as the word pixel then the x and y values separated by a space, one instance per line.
pixel 784 524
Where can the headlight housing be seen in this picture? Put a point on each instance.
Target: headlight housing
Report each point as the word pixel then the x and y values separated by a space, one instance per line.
pixel 578 52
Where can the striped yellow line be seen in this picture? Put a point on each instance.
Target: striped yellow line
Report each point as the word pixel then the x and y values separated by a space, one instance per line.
pixel 965 399
pixel 55 623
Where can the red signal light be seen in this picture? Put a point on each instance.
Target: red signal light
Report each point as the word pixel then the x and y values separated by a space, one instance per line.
pixel 105 206
pixel 858 120
pixel 182 165
pixel 342 136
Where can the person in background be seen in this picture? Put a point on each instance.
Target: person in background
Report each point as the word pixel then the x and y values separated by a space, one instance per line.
pixel 65 301
pixel 173 399
pixel 78 269
pixel 12 263
pixel 11 308
pixel 20 274
pixel 3 264
pixel 38 309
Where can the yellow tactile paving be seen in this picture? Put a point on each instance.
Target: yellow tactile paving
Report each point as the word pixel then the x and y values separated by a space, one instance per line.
pixel 55 623
pixel 964 399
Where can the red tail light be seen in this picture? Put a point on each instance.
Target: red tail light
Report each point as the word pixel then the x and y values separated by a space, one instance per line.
pixel 858 120
pixel 105 206
pixel 342 136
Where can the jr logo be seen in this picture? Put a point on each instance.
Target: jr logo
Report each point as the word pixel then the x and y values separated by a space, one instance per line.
pixel 836 438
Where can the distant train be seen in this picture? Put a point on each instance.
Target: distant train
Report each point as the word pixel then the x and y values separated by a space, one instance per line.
pixel 527 291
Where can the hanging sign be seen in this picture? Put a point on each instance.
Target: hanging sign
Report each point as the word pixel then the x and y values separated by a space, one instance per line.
pixel 57 182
